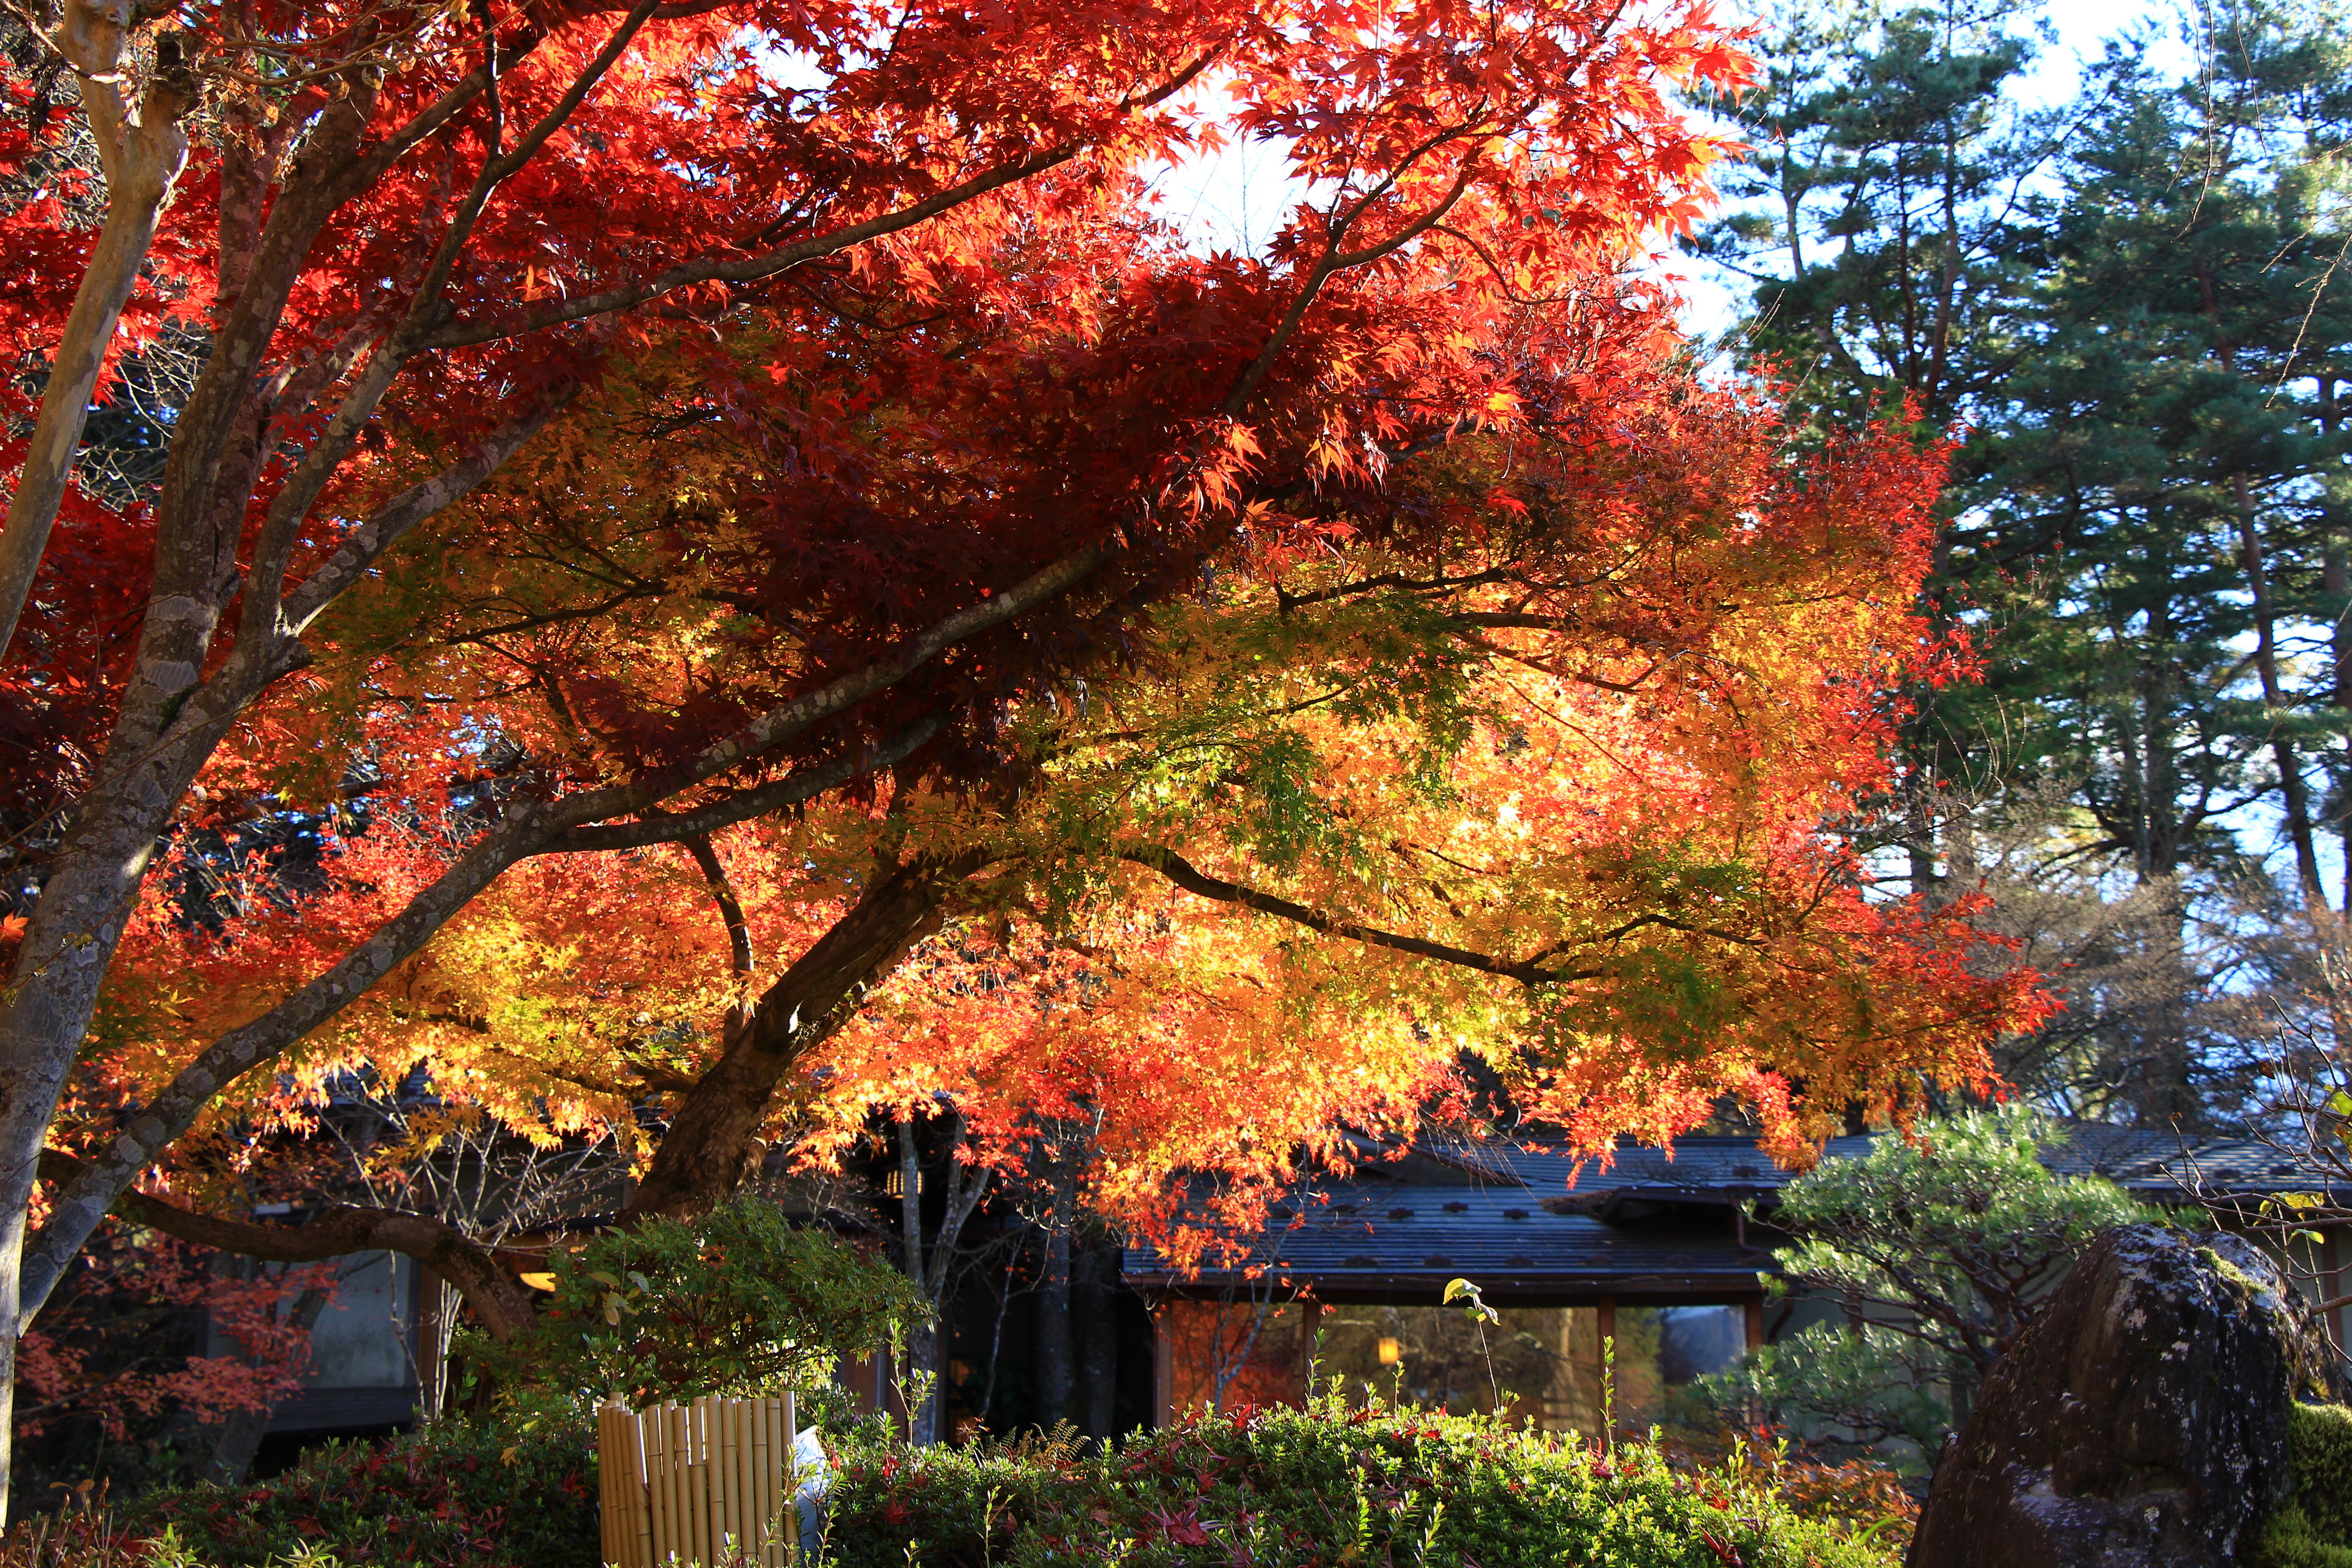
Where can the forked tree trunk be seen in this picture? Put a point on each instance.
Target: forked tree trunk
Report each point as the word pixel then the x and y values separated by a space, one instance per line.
pixel 706 1148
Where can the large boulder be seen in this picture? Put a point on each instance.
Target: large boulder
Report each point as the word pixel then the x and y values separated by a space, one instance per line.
pixel 2141 1420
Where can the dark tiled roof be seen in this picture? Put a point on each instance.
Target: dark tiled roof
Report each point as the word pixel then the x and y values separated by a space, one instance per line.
pixel 2153 1161
pixel 1407 1241
pixel 1652 1222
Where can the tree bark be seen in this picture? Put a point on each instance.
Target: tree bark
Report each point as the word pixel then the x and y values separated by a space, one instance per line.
pixel 337 1230
pixel 1095 1299
pixel 2336 584
pixel 1056 1370
pixel 706 1150
pixel 141 155
pixel 922 1339
pixel 2291 780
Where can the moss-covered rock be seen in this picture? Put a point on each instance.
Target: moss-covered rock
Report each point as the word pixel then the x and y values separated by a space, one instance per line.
pixel 2141 1422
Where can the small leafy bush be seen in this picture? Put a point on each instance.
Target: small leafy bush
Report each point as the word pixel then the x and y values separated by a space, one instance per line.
pixel 2315 1529
pixel 1369 1488
pixel 486 1495
pixel 740 1302
pixel 85 1533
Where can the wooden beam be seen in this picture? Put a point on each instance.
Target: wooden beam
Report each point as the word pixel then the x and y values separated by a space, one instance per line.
pixel 1163 1367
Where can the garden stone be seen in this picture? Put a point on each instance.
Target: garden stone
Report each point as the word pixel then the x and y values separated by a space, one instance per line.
pixel 2140 1421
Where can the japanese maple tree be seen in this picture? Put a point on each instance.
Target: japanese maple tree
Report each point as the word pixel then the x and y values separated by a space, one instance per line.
pixel 631 428
pixel 1526 754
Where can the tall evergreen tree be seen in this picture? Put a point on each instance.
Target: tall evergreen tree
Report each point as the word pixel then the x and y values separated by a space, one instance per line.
pixel 1885 228
pixel 2133 308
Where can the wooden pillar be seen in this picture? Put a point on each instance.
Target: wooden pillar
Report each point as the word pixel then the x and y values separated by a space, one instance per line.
pixel 1164 1365
pixel 1754 1323
pixel 425 1338
pixel 1310 1317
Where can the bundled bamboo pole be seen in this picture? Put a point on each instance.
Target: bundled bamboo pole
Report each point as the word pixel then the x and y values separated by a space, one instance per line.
pixel 699 1484
pixel 641 1519
pixel 656 1427
pixel 721 1459
pixel 611 1509
pixel 747 1477
pixel 755 1433
pixel 788 1517
pixel 680 1427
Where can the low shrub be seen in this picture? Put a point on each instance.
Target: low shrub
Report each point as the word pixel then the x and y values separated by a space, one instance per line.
pixel 488 1496
pixel 1327 1487
pixel 1363 1489
pixel 2315 1529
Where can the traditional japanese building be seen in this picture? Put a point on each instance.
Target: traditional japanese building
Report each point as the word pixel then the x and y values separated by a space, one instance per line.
pixel 1653 1256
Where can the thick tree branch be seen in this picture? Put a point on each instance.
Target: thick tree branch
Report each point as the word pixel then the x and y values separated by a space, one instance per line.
pixel 531 828
pixel 676 827
pixel 706 1150
pixel 337 1230
pixel 142 155
pixel 730 908
pixel 390 522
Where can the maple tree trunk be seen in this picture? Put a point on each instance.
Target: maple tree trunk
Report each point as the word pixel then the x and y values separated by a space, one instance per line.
pixel 1095 1299
pixel 1056 1370
pixel 706 1148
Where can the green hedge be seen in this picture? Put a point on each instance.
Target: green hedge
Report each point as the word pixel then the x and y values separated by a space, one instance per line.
pixel 1362 1489
pixel 1325 1489
pixel 2315 1530
pixel 483 1496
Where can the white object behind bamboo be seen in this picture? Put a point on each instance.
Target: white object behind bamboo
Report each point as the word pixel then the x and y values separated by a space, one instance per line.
pixel 708 1483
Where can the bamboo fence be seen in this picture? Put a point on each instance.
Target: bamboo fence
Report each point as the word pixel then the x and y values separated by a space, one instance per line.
pixel 707 1483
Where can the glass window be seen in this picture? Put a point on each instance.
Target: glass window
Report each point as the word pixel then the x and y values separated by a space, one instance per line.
pixel 1540 1363
pixel 1660 1349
